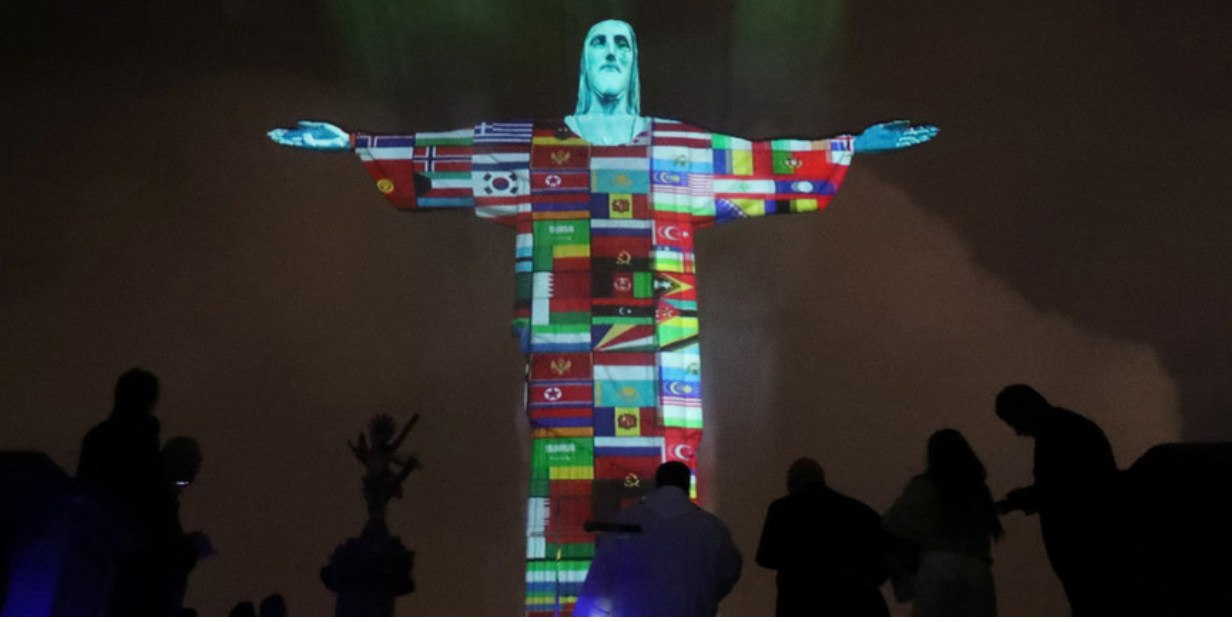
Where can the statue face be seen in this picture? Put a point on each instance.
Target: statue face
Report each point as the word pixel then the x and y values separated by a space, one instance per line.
pixel 609 58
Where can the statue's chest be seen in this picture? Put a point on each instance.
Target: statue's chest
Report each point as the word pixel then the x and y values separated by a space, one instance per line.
pixel 608 209
pixel 605 247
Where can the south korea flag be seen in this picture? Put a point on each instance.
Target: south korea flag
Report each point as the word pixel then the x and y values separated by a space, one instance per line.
pixel 502 183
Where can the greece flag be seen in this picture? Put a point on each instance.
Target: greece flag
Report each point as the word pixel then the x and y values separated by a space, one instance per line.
pixel 507 132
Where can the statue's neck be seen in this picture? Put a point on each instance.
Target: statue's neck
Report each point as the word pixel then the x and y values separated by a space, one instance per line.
pixel 603 129
pixel 610 106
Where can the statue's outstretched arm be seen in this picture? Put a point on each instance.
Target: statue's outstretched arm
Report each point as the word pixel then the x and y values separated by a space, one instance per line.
pixel 793 176
pixel 893 135
pixel 313 135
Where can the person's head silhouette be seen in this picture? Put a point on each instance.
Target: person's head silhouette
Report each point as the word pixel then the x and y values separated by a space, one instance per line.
pixel 802 472
pixel 950 457
pixel 136 393
pixel 675 474
pixel 1021 407
pixel 273 606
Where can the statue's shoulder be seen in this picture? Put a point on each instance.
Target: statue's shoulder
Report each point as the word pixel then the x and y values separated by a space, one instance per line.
pixel 521 129
pixel 661 125
pixel 668 124
pixel 672 133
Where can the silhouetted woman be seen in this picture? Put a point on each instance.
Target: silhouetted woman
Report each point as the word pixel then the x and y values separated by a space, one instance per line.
pixel 947 516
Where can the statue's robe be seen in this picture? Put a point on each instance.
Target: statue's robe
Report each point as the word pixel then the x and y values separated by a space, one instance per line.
pixel 606 305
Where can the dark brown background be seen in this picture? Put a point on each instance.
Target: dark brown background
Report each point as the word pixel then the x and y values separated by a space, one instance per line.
pixel 1068 228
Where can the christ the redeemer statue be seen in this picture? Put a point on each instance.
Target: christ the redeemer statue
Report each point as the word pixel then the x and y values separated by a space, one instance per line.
pixel 605 204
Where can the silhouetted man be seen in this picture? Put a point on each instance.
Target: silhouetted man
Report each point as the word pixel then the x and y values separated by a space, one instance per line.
pixel 121 459
pixel 1074 475
pixel 122 456
pixel 826 547
pixel 678 560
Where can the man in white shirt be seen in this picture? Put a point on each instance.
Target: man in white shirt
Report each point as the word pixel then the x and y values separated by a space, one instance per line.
pixel 665 557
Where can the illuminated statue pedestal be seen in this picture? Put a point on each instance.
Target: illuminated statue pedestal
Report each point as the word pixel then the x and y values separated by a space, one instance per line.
pixel 368 573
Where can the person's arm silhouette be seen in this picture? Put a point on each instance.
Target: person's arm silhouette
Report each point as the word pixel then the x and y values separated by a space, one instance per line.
pixel 1024 499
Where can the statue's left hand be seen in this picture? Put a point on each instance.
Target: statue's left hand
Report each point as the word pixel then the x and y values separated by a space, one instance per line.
pixel 884 137
pixel 313 135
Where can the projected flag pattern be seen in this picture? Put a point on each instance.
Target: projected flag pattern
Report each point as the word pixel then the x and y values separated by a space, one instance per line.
pixel 606 293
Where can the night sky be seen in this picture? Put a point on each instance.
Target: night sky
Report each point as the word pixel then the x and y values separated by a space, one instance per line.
pixel 1068 228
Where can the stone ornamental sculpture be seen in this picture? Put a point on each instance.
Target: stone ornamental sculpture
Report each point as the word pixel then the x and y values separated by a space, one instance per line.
pixel 369 572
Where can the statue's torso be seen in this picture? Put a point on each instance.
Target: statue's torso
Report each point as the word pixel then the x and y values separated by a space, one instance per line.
pixel 606 304
pixel 604 258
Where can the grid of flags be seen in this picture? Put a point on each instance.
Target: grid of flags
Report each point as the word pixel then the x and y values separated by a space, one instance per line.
pixel 606 293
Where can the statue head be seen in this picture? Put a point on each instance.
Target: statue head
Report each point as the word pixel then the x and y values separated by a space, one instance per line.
pixel 609 67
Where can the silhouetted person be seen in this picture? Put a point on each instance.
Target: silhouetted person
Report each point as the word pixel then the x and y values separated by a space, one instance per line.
pixel 1179 537
pixel 177 553
pixel 273 606
pixel 682 562
pixel 1075 472
pixel 121 456
pixel 243 609
pixel 826 547
pixel 947 517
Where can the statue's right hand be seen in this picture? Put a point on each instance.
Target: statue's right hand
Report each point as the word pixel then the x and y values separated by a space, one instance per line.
pixel 313 135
